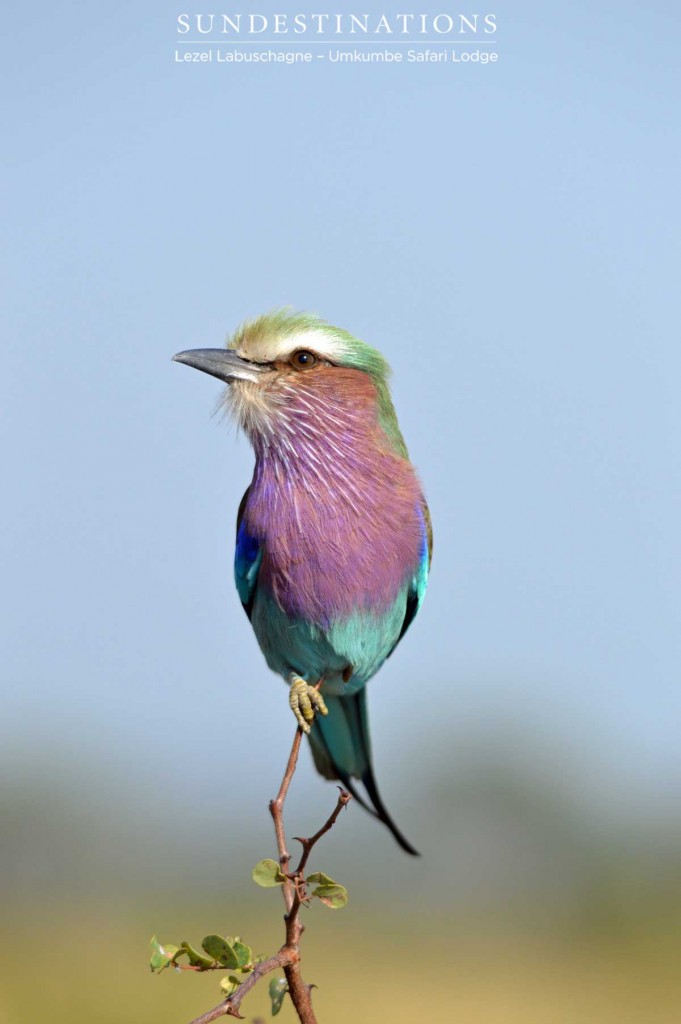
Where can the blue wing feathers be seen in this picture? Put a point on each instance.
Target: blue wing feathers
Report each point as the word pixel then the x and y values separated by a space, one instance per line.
pixel 247 559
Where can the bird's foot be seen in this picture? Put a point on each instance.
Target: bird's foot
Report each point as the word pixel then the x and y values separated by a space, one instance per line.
pixel 304 700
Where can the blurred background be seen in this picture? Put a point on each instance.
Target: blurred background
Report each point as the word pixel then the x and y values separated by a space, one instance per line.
pixel 508 236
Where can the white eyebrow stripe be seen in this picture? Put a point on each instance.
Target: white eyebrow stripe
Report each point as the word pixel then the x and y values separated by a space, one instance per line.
pixel 269 350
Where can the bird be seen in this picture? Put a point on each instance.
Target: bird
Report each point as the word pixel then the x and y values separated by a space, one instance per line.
pixel 334 537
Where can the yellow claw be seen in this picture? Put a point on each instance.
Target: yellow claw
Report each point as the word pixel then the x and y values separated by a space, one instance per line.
pixel 304 700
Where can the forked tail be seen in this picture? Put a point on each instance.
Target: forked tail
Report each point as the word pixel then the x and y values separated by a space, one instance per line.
pixel 342 750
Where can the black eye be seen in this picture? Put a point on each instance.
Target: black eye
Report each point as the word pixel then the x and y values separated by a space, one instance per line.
pixel 303 360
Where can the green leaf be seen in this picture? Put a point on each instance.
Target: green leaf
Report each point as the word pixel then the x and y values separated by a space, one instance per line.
pixel 161 956
pixel 243 953
pixel 334 896
pixel 267 873
pixel 319 878
pixel 196 959
pixel 158 956
pixel 229 985
pixel 328 891
pixel 220 950
pixel 278 989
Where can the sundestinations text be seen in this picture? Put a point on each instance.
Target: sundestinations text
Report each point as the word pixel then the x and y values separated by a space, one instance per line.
pixel 325 25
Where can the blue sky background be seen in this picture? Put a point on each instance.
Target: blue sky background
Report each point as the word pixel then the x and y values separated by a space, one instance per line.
pixel 507 235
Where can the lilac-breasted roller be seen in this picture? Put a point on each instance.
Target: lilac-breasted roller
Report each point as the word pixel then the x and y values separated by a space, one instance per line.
pixel 333 539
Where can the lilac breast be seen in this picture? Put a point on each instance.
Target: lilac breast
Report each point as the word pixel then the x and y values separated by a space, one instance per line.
pixel 334 507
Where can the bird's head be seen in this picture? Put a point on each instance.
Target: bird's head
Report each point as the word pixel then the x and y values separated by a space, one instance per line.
pixel 283 361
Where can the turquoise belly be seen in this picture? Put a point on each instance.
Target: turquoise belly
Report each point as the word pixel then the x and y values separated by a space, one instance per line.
pixel 363 641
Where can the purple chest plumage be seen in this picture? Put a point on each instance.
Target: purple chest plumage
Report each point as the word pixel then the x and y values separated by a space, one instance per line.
pixel 334 507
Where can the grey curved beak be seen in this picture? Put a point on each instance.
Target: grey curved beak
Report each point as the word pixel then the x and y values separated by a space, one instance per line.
pixel 221 363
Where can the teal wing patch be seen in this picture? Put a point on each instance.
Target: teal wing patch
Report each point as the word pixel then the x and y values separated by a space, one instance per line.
pixel 247 559
pixel 419 581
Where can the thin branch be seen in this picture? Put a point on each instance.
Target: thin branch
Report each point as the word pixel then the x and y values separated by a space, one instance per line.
pixel 297 989
pixel 288 957
pixel 277 812
pixel 343 800
pixel 230 1007
pixel 308 844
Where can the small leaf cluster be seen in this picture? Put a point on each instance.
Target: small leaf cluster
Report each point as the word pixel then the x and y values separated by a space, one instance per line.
pixel 331 893
pixel 221 951
pixel 268 874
